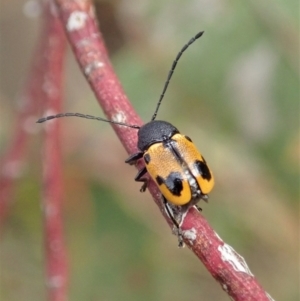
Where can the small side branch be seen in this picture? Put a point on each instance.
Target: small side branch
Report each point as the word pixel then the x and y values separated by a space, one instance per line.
pixel 28 108
pixel 52 195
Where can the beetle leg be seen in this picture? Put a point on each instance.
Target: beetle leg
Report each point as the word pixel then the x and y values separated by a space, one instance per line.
pixel 204 197
pixel 198 208
pixel 138 178
pixel 169 213
pixel 194 202
pixel 134 157
pixel 178 230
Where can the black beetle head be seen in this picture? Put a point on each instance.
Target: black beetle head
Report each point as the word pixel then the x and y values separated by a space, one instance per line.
pixel 153 132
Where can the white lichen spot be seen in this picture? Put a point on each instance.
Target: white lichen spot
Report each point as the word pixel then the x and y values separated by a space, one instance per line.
pixel 269 297
pixel 49 210
pixel 48 125
pixel 49 112
pixel 32 9
pixel 49 88
pixel 92 66
pixel 236 261
pixel 225 287
pixel 119 117
pixel 12 169
pixel 190 235
pixel 76 20
pixel 55 281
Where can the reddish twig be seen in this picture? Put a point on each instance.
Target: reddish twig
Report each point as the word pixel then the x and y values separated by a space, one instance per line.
pixel 44 84
pixel 53 53
pixel 29 107
pixel 225 265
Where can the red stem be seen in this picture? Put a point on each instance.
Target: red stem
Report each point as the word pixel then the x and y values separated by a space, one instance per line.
pixel 52 87
pixel 27 110
pixel 224 264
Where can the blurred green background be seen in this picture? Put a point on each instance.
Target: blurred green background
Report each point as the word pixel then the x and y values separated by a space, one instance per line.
pixel 235 92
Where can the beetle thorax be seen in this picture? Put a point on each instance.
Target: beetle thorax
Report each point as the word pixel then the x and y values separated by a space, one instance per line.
pixel 153 132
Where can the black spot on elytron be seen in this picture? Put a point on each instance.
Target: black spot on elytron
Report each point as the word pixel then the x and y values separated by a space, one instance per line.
pixel 174 183
pixel 188 138
pixel 159 180
pixel 203 170
pixel 147 158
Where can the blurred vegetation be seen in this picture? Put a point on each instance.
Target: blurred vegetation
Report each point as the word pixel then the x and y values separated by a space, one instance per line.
pixel 235 92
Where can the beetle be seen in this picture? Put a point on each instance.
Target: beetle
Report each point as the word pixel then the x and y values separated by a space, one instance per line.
pixel 171 158
pixel 173 162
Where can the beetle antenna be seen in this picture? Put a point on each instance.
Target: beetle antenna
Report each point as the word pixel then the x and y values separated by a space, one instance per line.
pixel 191 41
pixel 87 117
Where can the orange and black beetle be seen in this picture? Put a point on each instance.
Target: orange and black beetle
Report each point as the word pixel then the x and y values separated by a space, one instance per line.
pixel 173 162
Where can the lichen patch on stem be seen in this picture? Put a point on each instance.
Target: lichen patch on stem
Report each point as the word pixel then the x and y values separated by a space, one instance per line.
pixel 190 235
pixel 236 261
pixel 119 117
pixel 92 67
pixel 77 20
pixel 55 281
